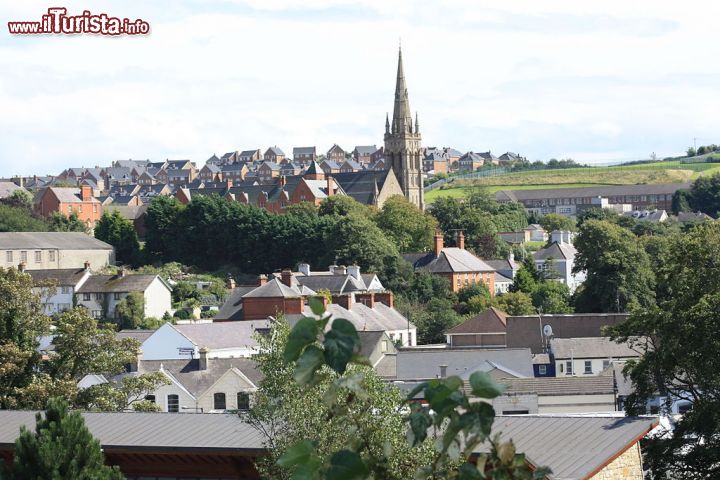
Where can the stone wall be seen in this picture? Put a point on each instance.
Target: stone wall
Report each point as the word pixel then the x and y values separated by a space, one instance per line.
pixel 627 466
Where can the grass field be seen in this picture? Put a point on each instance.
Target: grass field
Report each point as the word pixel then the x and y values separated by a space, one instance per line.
pixel 658 172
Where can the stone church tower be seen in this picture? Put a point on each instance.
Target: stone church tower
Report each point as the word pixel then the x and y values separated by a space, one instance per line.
pixel 403 151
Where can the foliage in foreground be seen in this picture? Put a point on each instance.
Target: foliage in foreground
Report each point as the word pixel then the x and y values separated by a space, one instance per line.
pixel 322 356
pixel 60 448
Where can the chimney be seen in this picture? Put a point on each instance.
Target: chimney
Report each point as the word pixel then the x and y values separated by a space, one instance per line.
pixel 85 193
pixel 341 270
pixel 229 183
pixel 461 240
pixel 330 186
pixel 286 277
pixel 354 271
pixel 134 365
pixel 344 301
pixel 386 298
pixel 443 371
pixel 203 358
pixel 304 268
pixel 324 300
pixel 281 181
pixel 87 265
pixel 21 266
pixel 438 243
pixel 367 299
pixel 230 282
pixel 262 280
pixel 122 272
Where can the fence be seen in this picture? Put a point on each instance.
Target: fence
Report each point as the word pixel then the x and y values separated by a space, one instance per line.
pixel 489 172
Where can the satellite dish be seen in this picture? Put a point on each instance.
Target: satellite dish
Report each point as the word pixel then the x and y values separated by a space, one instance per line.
pixel 547 331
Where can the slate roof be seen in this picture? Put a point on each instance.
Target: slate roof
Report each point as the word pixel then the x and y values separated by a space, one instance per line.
pixel 361 185
pixel 450 260
pixel 364 150
pixel 377 319
pixel 275 150
pixel 472 157
pixel 212 168
pixel 304 150
pixel 139 335
pixel 45 240
pixel 59 277
pixel 563 385
pixel 584 192
pixel 220 335
pixel 116 283
pixel 574 447
pixel 131 431
pixel 557 251
pixel 332 164
pixel 70 195
pixel 353 164
pixel 196 381
pixel 424 363
pixel 491 320
pixel 273 288
pixel 335 284
pixel 232 308
pixel 590 347
pixel 690 216
pixel 7 189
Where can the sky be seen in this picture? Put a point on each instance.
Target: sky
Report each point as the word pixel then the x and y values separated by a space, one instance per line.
pixel 596 81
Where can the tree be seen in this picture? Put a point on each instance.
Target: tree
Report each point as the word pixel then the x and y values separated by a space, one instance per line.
pixel 20 198
pixel 437 317
pixel 14 219
pixel 514 303
pixel 596 213
pixel 368 442
pixel 355 239
pixel 342 205
pixel 408 227
pixel 119 232
pixel 691 152
pixel 554 221
pixel 130 311
pixel 679 340
pixel 703 196
pixel 552 297
pixel 184 291
pixel 163 227
pixel 60 448
pixel 618 272
pixel 59 222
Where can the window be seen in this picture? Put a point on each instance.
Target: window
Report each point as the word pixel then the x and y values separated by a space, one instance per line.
pixel 23 256
pixel 65 290
pixel 243 401
pixel 400 338
pixel 97 313
pixel 219 401
pixel 51 255
pixel 410 339
pixel 150 398
pixel 515 412
pixel 606 364
pixel 384 346
pixel 116 295
pixel 173 404
pixel 588 367
pixel 542 369
pixel 86 297
pixel 561 368
pixel 9 256
pixel 568 368
pixel 684 407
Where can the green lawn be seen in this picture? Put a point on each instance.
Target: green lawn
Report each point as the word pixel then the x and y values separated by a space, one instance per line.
pixel 461 192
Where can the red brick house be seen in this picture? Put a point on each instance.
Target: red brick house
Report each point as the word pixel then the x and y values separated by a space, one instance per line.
pixel 71 200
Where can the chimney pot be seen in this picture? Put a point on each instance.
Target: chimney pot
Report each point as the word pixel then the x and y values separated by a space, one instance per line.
pixel 203 358
pixel 230 282
pixel 262 280
pixel 438 243
pixel 304 268
pixel 286 277
pixel 87 265
pixel 344 301
pixel 354 271
pixel 330 186
pixel 461 240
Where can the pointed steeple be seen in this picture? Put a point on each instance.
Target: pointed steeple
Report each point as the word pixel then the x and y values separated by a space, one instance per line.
pixel 417 124
pixel 387 123
pixel 402 118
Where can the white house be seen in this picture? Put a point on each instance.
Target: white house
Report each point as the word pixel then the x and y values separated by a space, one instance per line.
pixel 588 356
pixel 100 294
pixel 57 288
pixel 52 250
pixel 222 340
pixel 558 259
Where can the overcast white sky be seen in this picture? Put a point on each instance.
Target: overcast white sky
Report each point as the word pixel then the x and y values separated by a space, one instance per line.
pixel 592 80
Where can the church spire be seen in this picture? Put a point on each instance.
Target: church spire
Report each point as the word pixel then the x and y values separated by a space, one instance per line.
pixel 417 124
pixel 402 118
pixel 387 123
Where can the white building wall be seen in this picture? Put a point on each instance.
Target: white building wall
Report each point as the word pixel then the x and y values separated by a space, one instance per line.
pixel 187 402
pixel 158 299
pixel 52 258
pixel 230 384
pixel 407 337
pixel 166 343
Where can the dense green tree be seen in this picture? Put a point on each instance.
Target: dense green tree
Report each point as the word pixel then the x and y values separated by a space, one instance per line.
pixel 596 213
pixel 60 448
pixel 514 303
pixel 342 205
pixel 15 219
pixel 130 311
pixel 162 227
pixel 119 232
pixel 59 222
pixel 473 290
pixel 552 297
pixel 183 291
pixel 619 276
pixel 681 201
pixel 20 198
pixel 408 227
pixel 432 320
pixel 679 340
pixel 355 239
pixel 704 196
pixel 554 221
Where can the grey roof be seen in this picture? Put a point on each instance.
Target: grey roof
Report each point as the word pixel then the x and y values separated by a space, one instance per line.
pixel 7 189
pixel 591 347
pixel 333 283
pixel 196 381
pixel 353 164
pixel 557 251
pixel 270 165
pixel 50 240
pixel 119 284
pixel 574 447
pixel 361 185
pixel 275 150
pixel 151 431
pixel 273 288
pixel 450 260
pixel 304 150
pixel 564 385
pixel 69 195
pixel 139 335
pixel 647 215
pixel 584 192
pixel 219 335
pixel 212 168
pixel 332 164
pixel 690 216
pixel 472 157
pixel 377 319
pixel 423 363
pixel 60 277
pixel 232 308
pixel 365 149
pixel 491 320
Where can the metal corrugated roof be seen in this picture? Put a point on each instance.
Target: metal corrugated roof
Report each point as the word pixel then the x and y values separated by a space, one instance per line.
pixel 574 447
pixel 151 431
